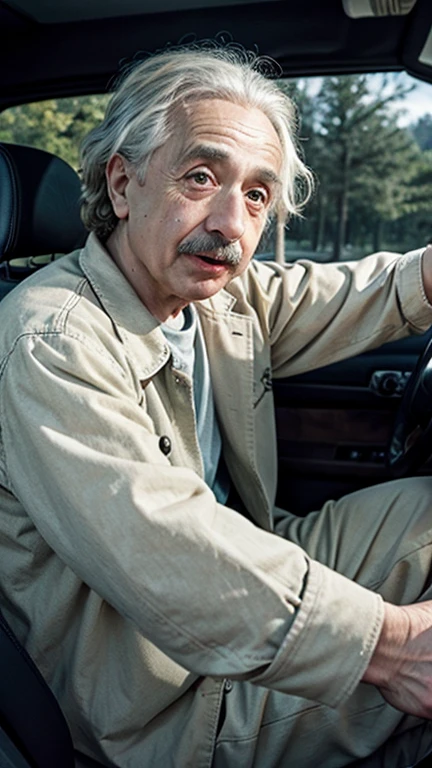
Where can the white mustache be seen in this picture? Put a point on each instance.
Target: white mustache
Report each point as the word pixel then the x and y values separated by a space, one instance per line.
pixel 215 244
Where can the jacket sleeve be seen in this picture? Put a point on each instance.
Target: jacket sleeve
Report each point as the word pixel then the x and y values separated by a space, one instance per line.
pixel 208 588
pixel 317 314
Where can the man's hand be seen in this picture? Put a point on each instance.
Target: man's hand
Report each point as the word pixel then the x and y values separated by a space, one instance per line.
pixel 427 272
pixel 401 666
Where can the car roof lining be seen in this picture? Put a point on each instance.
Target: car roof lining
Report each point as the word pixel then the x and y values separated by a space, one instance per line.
pixel 53 11
pixel 312 38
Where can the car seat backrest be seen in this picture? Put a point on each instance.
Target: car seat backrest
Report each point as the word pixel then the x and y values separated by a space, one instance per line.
pixel 39 209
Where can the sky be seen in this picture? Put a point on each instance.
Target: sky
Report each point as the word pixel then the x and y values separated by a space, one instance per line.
pixel 416 103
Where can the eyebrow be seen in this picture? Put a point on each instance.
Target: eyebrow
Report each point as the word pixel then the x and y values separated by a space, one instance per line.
pixel 204 152
pixel 216 154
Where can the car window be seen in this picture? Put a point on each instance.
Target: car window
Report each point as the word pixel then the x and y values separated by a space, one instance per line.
pixel 368 139
pixel 56 125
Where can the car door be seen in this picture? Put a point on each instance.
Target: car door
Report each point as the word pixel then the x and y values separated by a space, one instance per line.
pixel 334 424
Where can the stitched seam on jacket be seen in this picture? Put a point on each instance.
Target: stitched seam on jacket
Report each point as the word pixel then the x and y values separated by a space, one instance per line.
pixel 73 300
pixel 73 336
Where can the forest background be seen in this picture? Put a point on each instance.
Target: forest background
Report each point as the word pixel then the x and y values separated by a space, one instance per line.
pixel 373 174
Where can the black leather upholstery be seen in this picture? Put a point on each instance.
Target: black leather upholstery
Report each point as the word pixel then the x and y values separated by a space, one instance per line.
pixel 29 713
pixel 39 204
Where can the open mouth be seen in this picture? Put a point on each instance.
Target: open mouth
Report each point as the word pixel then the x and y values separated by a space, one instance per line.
pixel 210 260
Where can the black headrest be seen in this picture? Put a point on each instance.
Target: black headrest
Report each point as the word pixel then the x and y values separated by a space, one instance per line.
pixel 39 204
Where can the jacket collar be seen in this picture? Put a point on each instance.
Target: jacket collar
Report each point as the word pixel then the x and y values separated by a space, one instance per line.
pixel 114 291
pixel 136 327
pixel 119 298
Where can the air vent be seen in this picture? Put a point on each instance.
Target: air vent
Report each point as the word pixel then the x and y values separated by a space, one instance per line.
pixel 358 9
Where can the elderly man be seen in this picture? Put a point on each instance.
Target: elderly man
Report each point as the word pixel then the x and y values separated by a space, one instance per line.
pixel 175 629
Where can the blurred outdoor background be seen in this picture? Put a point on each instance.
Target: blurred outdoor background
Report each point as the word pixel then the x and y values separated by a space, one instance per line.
pixel 367 138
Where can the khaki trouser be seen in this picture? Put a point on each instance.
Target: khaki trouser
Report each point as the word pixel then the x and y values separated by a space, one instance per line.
pixel 382 538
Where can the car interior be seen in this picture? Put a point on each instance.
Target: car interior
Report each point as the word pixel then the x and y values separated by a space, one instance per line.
pixel 340 427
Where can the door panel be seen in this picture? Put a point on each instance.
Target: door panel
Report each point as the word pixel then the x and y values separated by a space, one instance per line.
pixel 334 423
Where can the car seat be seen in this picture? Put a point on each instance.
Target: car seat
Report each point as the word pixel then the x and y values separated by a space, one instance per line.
pixel 33 731
pixel 39 211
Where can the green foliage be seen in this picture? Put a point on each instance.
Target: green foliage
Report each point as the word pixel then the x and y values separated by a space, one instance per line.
pixel 422 132
pixel 57 125
pixel 371 172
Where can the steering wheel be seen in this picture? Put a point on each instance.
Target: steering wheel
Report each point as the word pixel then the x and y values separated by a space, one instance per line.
pixel 410 444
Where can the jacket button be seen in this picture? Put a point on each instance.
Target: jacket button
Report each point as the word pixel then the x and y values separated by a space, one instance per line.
pixel 228 685
pixel 165 445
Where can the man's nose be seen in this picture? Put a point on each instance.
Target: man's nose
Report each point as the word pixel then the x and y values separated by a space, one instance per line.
pixel 227 215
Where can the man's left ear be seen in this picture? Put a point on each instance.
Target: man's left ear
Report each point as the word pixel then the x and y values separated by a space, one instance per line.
pixel 118 175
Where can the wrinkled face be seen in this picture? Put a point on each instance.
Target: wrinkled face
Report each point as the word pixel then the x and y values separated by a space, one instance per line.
pixel 195 221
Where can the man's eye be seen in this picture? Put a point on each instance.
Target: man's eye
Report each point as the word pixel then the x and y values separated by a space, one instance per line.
pixel 257 196
pixel 199 177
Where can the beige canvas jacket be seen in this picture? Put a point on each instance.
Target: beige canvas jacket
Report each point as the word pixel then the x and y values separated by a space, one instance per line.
pixel 135 592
